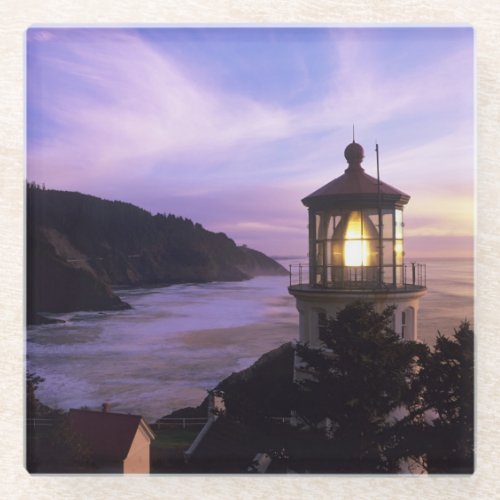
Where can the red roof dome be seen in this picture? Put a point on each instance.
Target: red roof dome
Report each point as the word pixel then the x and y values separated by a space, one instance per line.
pixel 355 187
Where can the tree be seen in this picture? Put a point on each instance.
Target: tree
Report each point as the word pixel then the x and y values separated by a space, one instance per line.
pixel 54 447
pixel 448 379
pixel 32 403
pixel 363 374
pixel 264 390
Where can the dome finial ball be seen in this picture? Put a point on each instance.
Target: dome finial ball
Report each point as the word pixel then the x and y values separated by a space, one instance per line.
pixel 354 153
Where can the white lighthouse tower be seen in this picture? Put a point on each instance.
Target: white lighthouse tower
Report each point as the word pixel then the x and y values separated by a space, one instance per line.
pixel 356 252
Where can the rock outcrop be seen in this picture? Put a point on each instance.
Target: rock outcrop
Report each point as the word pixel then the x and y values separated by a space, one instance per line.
pixel 261 390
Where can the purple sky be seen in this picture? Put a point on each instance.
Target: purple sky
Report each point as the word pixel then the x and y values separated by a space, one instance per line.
pixel 233 127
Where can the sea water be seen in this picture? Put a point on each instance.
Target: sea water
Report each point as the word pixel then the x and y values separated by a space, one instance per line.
pixel 179 341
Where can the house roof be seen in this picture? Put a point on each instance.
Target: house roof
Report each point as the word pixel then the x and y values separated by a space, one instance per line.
pixel 109 435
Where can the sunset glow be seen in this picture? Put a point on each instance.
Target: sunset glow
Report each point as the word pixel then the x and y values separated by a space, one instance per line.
pixel 232 127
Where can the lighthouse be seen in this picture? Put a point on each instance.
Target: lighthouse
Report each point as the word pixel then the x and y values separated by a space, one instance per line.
pixel 356 252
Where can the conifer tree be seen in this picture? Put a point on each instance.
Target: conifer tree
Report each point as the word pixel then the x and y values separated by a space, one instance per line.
pixel 361 378
pixel 448 379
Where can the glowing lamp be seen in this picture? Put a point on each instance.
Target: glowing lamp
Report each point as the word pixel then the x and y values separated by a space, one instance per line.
pixel 359 250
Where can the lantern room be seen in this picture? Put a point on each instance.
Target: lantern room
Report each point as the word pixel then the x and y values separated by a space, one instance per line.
pixel 356 252
pixel 356 229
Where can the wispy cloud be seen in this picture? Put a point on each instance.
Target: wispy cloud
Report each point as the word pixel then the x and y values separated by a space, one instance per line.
pixel 132 106
pixel 113 114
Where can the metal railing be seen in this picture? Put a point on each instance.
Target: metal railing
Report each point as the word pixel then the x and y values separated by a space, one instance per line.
pixel 182 421
pixel 412 275
pixel 39 422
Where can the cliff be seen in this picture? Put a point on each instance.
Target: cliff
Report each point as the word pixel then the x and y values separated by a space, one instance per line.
pixel 261 390
pixel 80 246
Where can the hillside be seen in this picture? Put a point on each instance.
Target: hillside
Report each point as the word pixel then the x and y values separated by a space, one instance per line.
pixel 261 389
pixel 80 246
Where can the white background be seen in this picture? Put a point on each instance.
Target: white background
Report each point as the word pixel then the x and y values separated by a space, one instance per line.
pixel 18 15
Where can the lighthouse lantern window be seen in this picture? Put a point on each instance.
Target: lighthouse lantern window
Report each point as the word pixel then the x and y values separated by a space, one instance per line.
pixel 398 238
pixel 356 229
pixel 399 224
pixel 347 245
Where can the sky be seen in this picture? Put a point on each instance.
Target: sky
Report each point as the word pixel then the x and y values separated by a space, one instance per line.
pixel 232 127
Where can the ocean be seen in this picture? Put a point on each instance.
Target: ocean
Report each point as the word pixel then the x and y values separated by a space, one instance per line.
pixel 179 341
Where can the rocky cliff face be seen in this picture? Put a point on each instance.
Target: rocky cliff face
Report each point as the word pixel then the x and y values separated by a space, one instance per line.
pixel 56 285
pixel 79 246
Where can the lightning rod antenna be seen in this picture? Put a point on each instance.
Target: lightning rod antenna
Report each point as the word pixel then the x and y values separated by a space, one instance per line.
pixel 380 227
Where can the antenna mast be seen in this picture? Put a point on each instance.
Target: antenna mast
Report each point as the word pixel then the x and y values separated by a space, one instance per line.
pixel 380 227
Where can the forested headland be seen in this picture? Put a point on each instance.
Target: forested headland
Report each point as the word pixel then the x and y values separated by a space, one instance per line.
pixel 80 246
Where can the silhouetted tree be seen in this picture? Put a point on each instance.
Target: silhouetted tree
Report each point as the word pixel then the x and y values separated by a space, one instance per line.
pixel 448 379
pixel 54 446
pixel 438 431
pixel 262 391
pixel 363 374
pixel 32 403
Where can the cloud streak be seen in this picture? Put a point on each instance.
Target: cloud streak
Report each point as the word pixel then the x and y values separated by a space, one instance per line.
pixel 133 106
pixel 186 127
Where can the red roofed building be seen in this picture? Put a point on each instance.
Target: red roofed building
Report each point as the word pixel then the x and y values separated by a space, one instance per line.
pixel 118 442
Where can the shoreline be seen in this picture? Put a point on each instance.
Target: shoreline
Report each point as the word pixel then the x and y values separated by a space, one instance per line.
pixel 217 337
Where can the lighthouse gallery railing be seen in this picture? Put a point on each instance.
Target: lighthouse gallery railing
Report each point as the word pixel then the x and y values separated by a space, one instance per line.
pixel 412 275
